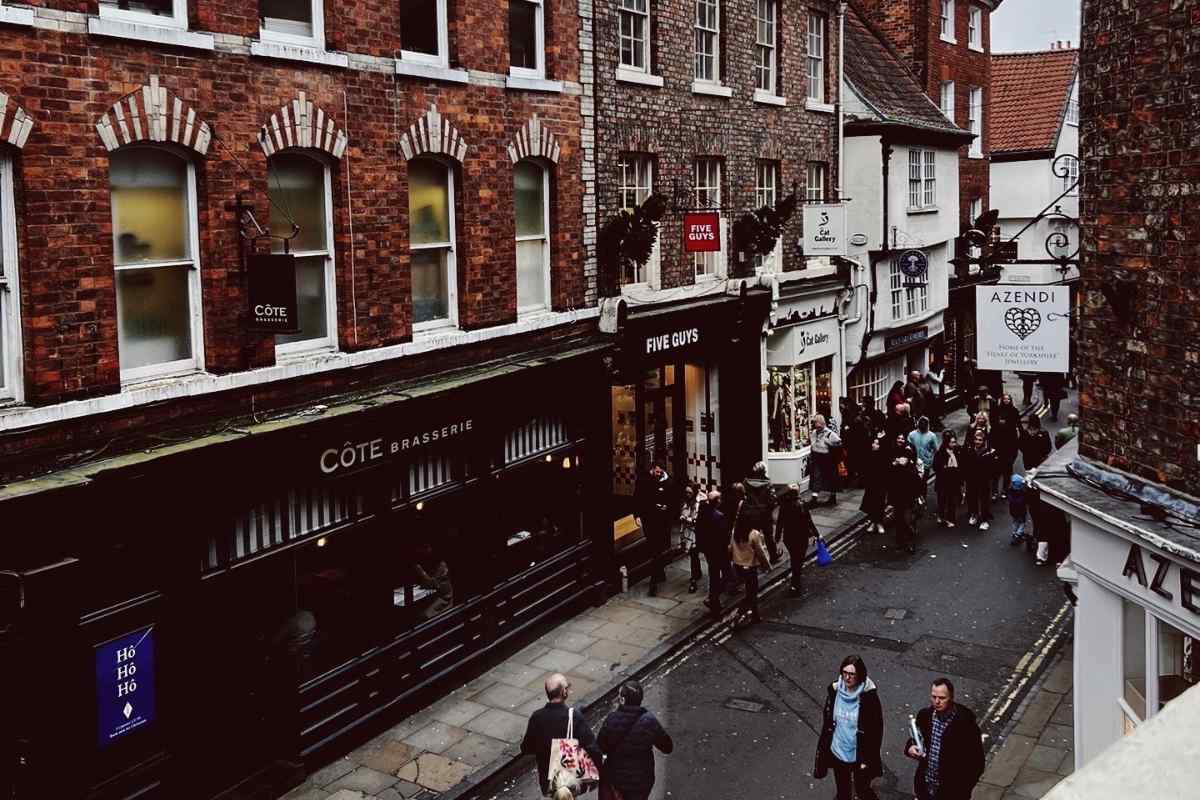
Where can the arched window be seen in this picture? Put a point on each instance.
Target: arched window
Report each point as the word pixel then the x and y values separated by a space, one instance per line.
pixel 299 187
pixel 155 257
pixel 531 201
pixel 10 303
pixel 431 241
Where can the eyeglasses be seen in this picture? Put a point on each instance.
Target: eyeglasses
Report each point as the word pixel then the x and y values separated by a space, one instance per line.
pixel 849 673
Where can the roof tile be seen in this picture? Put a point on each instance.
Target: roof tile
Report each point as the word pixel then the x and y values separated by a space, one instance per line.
pixel 1029 97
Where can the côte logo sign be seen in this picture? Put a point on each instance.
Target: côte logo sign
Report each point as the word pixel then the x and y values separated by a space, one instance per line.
pixel 702 232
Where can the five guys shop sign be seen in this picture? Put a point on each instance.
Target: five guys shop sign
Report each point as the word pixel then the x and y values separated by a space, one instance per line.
pixel 702 232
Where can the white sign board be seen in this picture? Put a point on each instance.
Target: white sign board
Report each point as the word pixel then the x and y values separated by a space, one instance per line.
pixel 824 229
pixel 1023 328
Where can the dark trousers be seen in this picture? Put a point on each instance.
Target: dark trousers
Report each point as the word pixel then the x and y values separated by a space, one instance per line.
pixel 948 498
pixel 979 499
pixel 749 579
pixel 1004 471
pixel 796 553
pixel 902 518
pixel 1054 403
pixel 851 781
pixel 657 533
pixel 718 576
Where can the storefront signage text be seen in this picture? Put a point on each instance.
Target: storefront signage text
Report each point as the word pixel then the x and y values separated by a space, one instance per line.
pixel 702 232
pixel 671 341
pixel 125 685
pixel 352 455
pixel 1023 328
pixel 905 339
pixel 1188 580
pixel 824 229
pixel 811 339
pixel 271 289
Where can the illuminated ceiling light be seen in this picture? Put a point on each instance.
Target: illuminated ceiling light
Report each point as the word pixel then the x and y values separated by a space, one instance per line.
pixel 322 542
pixel 420 505
pixel 567 462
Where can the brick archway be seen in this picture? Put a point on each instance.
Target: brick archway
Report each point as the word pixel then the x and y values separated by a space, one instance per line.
pixel 533 139
pixel 152 114
pixel 15 124
pixel 433 133
pixel 302 124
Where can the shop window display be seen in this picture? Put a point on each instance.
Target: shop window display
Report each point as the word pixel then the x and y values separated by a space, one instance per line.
pixel 1178 663
pixel 794 395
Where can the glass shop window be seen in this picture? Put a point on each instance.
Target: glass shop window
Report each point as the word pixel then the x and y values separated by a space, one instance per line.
pixel 1178 663
pixel 432 240
pixel 545 519
pixel 1133 649
pixel 794 395
pixel 326 626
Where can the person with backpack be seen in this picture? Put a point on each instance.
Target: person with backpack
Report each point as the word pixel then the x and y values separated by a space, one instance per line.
pixel 551 722
pixel 760 502
pixel 797 530
pixel 1018 509
pixel 628 738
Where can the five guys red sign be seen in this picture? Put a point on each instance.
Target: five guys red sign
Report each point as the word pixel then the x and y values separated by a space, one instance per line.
pixel 702 232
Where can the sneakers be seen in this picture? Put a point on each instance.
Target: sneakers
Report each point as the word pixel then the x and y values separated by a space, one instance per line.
pixel 973 520
pixel 879 527
pixel 983 526
pixel 949 523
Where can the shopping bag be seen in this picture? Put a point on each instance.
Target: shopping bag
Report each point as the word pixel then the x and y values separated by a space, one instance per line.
pixel 570 765
pixel 823 557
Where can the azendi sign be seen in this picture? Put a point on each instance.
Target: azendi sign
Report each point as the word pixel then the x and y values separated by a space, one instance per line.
pixel 1023 328
pixel 702 232
pixel 1159 581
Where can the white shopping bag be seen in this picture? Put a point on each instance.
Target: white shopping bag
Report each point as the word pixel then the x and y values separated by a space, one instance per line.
pixel 570 765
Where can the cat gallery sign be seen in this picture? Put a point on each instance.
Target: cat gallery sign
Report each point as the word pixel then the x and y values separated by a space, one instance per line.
pixel 1023 328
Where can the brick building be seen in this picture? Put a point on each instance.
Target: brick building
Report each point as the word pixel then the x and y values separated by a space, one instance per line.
pixel 722 106
pixel 1130 483
pixel 201 488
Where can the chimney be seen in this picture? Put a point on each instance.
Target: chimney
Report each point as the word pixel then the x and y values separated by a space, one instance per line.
pixel 1054 45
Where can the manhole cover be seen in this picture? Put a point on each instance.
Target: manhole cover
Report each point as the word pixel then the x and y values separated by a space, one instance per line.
pixel 744 705
pixel 895 613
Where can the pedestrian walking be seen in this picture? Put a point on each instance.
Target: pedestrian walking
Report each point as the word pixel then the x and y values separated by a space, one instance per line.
pixel 1027 381
pixel 688 515
pixel 874 501
pixel 966 380
pixel 948 476
pixel 1006 437
pixel 931 401
pixel 1035 444
pixel 657 501
pixel 856 442
pixel 924 443
pixel 979 465
pixel 901 423
pixel 949 753
pixel 797 530
pixel 712 537
pixel 1053 390
pixel 1018 509
pixel 903 488
pixel 748 552
pixel 628 738
pixel 876 419
pixel 980 422
pixel 824 441
pixel 913 394
pixel 550 722
pixel 851 733
pixel 760 502
pixel 1067 433
pixel 895 397
pixel 1051 528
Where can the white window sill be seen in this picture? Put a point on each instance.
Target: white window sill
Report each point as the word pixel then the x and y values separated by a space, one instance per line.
pixel 295 52
pixel 922 210
pixel 533 84
pixel 974 155
pixel 16 16
pixel 301 350
pixel 978 48
pixel 766 98
pixel 711 89
pixel 415 69
pixel 947 39
pixel 119 29
pixel 824 108
pixel 627 75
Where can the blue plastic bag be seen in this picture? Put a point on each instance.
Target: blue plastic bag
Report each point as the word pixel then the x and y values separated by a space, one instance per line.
pixel 823 557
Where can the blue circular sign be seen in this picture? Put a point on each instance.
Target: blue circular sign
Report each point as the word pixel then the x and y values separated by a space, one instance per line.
pixel 914 263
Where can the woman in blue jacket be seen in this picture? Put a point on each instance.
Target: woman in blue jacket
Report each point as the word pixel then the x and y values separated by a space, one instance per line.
pixel 852 733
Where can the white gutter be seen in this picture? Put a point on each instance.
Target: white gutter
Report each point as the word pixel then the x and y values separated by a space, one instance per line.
pixel 843 323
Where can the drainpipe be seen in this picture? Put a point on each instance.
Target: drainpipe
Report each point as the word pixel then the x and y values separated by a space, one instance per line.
pixel 841 116
pixel 844 323
pixel 886 152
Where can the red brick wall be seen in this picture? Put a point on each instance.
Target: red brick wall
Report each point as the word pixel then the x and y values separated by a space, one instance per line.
pixel 67 81
pixel 1140 197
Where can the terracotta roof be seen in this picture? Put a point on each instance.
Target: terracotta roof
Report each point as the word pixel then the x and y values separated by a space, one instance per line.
pixel 1029 98
pixel 878 75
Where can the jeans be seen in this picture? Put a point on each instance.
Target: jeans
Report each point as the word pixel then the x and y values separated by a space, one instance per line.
pixel 749 578
pixel 1018 530
pixel 851 781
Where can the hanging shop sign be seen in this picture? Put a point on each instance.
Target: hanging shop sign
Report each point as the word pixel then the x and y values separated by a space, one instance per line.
pixel 906 339
pixel 914 263
pixel 702 232
pixel 271 287
pixel 1023 328
pixel 824 229
pixel 125 696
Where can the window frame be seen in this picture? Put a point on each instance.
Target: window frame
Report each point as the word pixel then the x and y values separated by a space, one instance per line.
pixel 330 340
pixel 922 179
pixel 624 7
pixel 765 195
pixel 1071 179
pixel 907 302
pixel 715 34
pixel 946 22
pixel 975 27
pixel 1071 116
pixel 972 213
pixel 12 363
pixel 769 70
pixel 816 39
pixel 442 58
pixel 946 99
pixel 183 366
pixel 451 248
pixel 975 121
pixel 316 40
pixel 544 238
pixel 709 266
pixel 177 21
pixel 537 72
pixel 819 170
pixel 637 159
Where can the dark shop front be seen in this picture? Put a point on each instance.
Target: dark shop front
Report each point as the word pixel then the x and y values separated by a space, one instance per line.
pixel 221 611
pixel 687 394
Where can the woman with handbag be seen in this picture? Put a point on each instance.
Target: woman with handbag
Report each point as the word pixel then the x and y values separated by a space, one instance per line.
pixel 628 738
pixel 748 552
pixel 852 733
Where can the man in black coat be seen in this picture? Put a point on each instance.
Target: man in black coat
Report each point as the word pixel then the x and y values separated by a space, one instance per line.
pixel 796 528
pixel 1035 444
pixel 550 722
pixel 628 737
pixel 658 502
pixel 950 754
pixel 712 537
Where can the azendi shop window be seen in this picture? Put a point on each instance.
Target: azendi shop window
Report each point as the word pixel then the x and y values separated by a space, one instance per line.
pixel 1152 648
pixel 794 395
